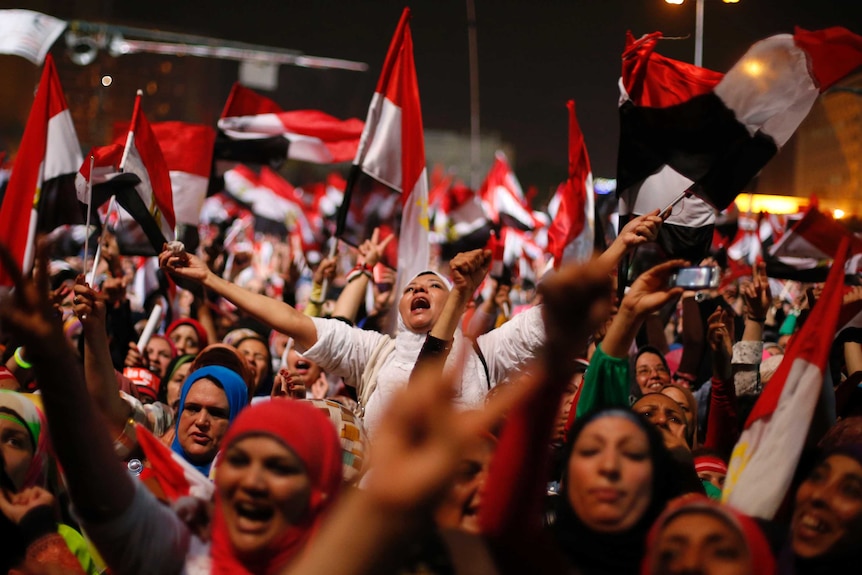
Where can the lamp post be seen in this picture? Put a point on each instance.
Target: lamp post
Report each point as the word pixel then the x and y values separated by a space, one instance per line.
pixel 698 28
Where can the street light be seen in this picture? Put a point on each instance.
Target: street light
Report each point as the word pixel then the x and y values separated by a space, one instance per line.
pixel 698 28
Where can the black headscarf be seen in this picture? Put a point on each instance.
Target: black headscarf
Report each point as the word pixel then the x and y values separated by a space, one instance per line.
pixel 614 553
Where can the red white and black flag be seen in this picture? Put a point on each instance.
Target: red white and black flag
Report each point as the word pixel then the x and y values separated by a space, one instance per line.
pixel 257 130
pixel 388 184
pixel 688 129
pixel 40 194
pixel 503 197
pixel 150 201
pixel 571 233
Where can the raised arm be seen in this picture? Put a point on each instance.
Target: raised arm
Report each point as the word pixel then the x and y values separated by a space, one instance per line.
pixel 638 231
pixel 277 315
pixel 99 373
pixel 370 252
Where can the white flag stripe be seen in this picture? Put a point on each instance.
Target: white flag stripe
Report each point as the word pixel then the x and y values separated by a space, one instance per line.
pixel 761 468
pixel 383 158
pixel 62 151
pixel 190 191
pixel 28 34
pixel 658 191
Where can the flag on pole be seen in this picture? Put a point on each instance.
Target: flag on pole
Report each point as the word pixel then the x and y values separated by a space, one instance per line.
pixel 174 474
pixel 151 202
pixel 767 453
pixel 503 197
pixel 257 123
pixel 688 129
pixel 392 152
pixel 572 229
pixel 41 189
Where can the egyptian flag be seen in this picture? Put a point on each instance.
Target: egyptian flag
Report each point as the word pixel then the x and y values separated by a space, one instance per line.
pixel 40 194
pixel 688 129
pixel 503 197
pixel 255 129
pixel 765 457
pixel 149 202
pixel 388 184
pixel 176 477
pixel 572 229
pixel 460 223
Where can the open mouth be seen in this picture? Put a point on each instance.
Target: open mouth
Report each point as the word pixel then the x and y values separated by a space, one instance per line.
pixel 302 365
pixel 812 525
pixel 253 513
pixel 420 303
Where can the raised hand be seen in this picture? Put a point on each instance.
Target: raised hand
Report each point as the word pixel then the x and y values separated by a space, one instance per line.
pixel 184 265
pixel 372 249
pixel 469 269
pixel 651 290
pixel 641 230
pixel 29 312
pixel 757 295
pixel 88 305
pixel 325 271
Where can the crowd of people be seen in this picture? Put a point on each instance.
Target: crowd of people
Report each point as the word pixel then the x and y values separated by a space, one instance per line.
pixel 492 431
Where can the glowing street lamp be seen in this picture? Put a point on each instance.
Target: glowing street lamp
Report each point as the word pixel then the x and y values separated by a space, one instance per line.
pixel 698 28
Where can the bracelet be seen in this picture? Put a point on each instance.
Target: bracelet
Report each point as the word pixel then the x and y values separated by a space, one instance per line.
pixel 757 319
pixel 19 359
pixel 359 270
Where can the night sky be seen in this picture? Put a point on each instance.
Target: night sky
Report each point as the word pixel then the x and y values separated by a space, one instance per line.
pixel 534 55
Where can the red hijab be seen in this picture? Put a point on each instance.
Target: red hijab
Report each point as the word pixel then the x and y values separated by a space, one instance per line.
pixel 309 434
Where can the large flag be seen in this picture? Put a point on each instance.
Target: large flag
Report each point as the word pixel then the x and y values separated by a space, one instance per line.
pixel 260 126
pixel 767 453
pixel 28 34
pixel 503 197
pixel 572 230
pixel 41 189
pixel 150 202
pixel 687 129
pixel 392 153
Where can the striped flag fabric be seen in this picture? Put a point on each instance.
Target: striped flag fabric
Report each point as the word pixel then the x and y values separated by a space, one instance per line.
pixel 688 129
pixel 40 194
pixel 151 202
pixel 175 475
pixel 570 236
pixel 271 133
pixel 766 455
pixel 503 197
pixel 28 34
pixel 391 158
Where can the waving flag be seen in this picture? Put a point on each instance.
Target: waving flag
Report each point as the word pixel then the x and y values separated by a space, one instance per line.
pixel 41 189
pixel 150 203
pixel 28 34
pixel 503 197
pixel 307 135
pixel 574 202
pixel 687 129
pixel 175 475
pixel 392 153
pixel 767 453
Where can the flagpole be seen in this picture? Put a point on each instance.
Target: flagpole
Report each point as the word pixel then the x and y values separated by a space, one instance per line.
pixel 475 143
pixel 98 256
pixel 333 246
pixel 89 211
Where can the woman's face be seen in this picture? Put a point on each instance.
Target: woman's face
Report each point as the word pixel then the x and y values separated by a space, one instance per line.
pixel 421 303
pixel 175 385
pixel 186 340
pixel 460 507
pixel 828 514
pixel 651 373
pixel 303 372
pixel 264 489
pixel 666 415
pixel 203 421
pixel 158 354
pixel 256 354
pixel 17 449
pixel 566 403
pixel 610 474
pixel 700 542
pixel 681 400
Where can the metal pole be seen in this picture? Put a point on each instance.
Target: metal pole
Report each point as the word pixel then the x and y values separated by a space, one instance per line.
pixel 698 35
pixel 475 147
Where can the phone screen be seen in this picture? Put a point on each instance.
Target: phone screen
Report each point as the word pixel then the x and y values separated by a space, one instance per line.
pixel 694 277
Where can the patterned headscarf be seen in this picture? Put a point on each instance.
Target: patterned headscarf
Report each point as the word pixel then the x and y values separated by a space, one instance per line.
pixel 18 408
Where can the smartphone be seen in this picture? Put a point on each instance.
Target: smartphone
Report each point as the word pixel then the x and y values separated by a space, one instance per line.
pixel 704 277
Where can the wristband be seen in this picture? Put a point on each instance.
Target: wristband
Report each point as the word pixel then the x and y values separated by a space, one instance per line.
pixel 359 270
pixel 19 359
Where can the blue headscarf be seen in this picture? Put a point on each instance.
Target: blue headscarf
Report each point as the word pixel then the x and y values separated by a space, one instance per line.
pixel 237 397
